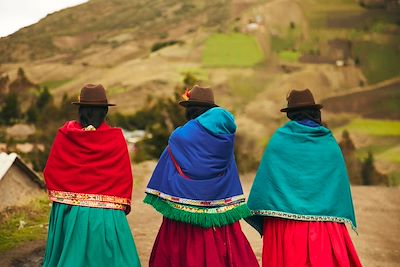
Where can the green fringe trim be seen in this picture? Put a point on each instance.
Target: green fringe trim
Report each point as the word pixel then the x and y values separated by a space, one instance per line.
pixel 203 217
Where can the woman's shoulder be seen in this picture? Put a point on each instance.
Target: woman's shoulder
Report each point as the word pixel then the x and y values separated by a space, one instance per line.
pixel 218 121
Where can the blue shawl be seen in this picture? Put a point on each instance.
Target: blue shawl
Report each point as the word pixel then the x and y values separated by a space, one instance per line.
pixel 197 173
pixel 302 176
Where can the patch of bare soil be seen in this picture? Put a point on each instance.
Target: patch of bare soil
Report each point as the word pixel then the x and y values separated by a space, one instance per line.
pixel 368 103
pixel 29 254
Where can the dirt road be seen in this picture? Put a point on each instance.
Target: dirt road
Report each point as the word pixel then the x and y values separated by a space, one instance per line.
pixel 377 211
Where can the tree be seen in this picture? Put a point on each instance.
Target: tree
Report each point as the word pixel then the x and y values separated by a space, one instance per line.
pixel 368 169
pixel 346 144
pixel 32 114
pixel 189 80
pixel 10 111
pixel 160 117
pixel 40 107
pixel 44 98
pixel 65 111
pixel 353 164
pixel 4 80
pixel 21 84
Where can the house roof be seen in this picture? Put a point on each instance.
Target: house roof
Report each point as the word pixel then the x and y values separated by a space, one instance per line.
pixel 7 160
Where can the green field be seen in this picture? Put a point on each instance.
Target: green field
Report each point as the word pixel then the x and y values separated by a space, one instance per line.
pixel 54 83
pixel 382 150
pixel 373 127
pixel 116 90
pixel 378 61
pixel 383 135
pixel 231 50
pixel 373 33
pixel 392 155
pixel 289 56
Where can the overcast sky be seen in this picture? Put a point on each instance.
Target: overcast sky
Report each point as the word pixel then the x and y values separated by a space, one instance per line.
pixel 16 14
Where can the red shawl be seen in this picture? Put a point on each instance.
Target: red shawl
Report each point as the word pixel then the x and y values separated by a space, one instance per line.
pixel 89 168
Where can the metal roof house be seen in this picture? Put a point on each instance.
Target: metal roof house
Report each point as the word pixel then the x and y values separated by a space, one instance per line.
pixel 19 184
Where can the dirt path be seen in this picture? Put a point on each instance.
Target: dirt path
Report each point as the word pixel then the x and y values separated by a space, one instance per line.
pixel 378 218
pixel 30 254
pixel 377 211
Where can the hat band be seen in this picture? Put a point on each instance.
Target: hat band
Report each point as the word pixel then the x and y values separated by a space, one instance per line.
pixel 201 100
pixel 93 101
pixel 301 104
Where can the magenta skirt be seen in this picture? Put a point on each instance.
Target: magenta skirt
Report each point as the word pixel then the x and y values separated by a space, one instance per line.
pixel 181 244
pixel 289 243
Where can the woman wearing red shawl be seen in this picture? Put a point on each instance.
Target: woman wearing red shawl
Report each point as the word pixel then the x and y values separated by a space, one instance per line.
pixel 196 187
pixel 89 179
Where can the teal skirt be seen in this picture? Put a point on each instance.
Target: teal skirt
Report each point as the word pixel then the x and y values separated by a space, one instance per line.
pixel 84 237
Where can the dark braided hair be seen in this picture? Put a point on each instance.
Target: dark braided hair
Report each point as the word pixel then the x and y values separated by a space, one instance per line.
pixel 92 115
pixel 305 114
pixel 193 111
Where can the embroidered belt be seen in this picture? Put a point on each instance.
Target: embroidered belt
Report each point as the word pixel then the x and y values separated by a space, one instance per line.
pixel 202 203
pixel 89 200
pixel 301 217
pixel 211 210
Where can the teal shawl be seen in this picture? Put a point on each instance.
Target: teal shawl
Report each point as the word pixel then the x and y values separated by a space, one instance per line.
pixel 302 176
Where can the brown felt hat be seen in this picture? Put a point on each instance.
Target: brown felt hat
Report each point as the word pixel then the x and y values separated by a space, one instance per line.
pixel 198 96
pixel 93 95
pixel 300 99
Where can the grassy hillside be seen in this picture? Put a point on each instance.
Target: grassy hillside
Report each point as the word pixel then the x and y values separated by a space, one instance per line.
pixel 378 61
pixel 105 23
pixel 374 34
pixel 141 50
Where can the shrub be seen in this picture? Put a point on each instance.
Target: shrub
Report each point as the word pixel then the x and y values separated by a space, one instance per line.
pixel 160 45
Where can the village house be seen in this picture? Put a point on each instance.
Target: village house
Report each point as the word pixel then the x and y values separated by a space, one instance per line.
pixel 18 183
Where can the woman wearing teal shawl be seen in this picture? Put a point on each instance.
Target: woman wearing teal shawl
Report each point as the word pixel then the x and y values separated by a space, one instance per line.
pixel 301 197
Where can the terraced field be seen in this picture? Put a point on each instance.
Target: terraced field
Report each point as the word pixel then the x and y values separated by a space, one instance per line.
pixel 231 50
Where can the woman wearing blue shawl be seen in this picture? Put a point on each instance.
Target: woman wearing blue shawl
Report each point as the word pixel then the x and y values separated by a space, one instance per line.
pixel 301 198
pixel 196 187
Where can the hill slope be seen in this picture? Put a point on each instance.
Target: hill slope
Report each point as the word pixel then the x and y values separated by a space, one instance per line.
pixel 252 52
pixel 105 23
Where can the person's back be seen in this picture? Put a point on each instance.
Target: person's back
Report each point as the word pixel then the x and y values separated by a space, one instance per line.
pixel 89 179
pixel 196 187
pixel 301 198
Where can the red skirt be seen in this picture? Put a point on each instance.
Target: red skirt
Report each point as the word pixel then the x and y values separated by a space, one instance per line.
pixel 289 243
pixel 181 244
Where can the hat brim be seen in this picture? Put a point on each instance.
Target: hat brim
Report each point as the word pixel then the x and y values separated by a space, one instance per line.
pixel 92 104
pixel 187 103
pixel 315 106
